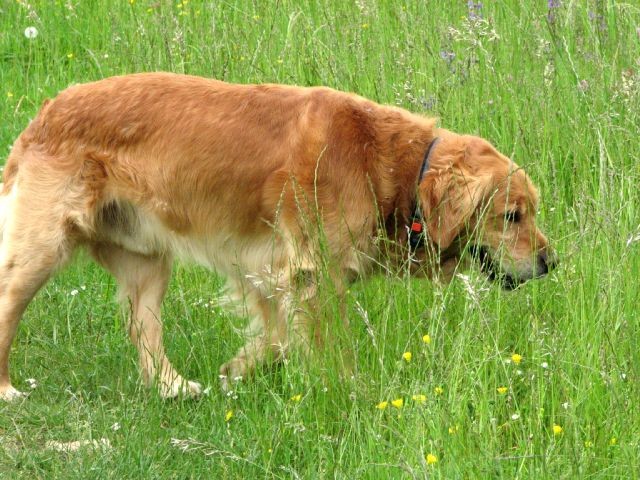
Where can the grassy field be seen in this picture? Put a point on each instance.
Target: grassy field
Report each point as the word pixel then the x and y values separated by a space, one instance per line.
pixel 555 85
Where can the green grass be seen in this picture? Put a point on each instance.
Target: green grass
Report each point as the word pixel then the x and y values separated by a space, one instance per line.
pixel 561 96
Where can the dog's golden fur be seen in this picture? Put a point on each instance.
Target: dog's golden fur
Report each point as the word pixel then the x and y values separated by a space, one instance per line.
pixel 256 181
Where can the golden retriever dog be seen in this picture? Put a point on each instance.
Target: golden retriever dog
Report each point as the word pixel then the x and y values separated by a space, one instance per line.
pixel 270 185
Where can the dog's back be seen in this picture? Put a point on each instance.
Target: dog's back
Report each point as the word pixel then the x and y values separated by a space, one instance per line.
pixel 199 155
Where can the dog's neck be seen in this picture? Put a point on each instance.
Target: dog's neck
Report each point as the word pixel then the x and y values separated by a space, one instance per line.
pixel 417 234
pixel 401 162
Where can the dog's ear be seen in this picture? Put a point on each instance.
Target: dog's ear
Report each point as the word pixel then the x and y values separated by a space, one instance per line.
pixel 449 198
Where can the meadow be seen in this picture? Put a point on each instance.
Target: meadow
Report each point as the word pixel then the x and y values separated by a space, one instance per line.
pixel 452 381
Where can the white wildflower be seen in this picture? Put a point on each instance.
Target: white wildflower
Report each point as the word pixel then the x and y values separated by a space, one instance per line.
pixel 31 32
pixel 633 238
pixel 549 71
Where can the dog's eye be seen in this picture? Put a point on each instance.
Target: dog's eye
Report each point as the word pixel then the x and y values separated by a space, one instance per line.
pixel 513 217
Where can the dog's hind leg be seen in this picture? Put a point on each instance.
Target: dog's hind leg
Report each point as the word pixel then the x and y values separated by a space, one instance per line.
pixel 35 243
pixel 144 279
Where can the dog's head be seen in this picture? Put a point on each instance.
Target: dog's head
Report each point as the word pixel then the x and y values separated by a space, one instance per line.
pixel 474 196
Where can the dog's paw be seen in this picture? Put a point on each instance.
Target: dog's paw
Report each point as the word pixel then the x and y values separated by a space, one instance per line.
pixel 10 394
pixel 231 372
pixel 180 388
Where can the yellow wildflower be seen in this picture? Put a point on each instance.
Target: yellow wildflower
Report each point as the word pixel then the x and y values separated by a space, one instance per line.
pixel 588 444
pixel 502 390
pixel 70 55
pixel 439 390
pixel 557 429
pixel 9 94
pixel 365 26
pixel 419 398
pixel 398 402
pixel 382 405
pixel 613 441
pixel 431 459
pixel 228 415
pixel 407 356
pixel 296 398
pixel 426 339
pixel 516 358
pixel 453 430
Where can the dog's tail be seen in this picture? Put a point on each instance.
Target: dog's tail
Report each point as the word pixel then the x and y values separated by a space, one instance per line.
pixel 9 173
pixel 4 204
pixel 3 211
pixel 8 181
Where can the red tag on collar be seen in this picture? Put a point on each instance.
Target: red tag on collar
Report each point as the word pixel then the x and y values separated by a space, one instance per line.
pixel 416 227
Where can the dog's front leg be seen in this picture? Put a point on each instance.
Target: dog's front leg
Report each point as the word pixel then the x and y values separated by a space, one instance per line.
pixel 269 342
pixel 277 325
pixel 296 317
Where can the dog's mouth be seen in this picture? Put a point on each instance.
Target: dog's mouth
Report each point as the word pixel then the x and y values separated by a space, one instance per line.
pixel 489 267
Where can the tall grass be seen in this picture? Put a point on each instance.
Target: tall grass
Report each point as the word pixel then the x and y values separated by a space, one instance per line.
pixel 553 84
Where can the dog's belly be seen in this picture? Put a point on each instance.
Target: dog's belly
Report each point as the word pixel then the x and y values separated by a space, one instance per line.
pixel 228 253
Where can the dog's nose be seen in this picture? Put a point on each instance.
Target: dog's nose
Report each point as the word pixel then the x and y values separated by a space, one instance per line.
pixel 547 260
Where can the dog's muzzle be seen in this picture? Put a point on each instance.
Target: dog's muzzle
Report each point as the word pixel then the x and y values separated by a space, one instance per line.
pixel 545 262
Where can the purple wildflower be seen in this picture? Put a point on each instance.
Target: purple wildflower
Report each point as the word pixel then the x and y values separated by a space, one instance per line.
pixel 475 10
pixel 599 18
pixel 447 56
pixel 551 5
pixel 428 103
